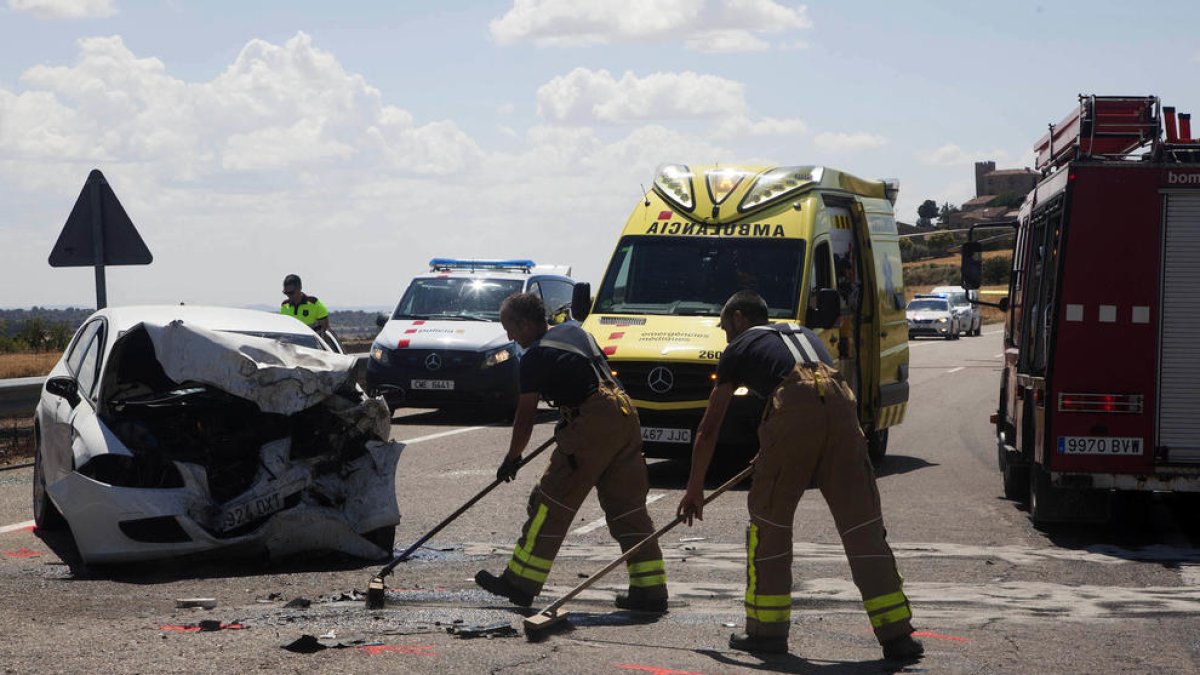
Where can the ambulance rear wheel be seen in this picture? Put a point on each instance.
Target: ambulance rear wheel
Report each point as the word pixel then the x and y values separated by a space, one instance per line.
pixel 877 446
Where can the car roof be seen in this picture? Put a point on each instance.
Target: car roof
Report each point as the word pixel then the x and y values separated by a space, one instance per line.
pixel 212 318
pixel 926 296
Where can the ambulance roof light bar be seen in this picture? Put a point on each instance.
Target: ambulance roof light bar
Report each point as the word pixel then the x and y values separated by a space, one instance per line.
pixel 447 264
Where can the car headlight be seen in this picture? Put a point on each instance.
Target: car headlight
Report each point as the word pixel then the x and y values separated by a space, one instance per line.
pixel 741 391
pixel 943 320
pixel 496 357
pixel 379 354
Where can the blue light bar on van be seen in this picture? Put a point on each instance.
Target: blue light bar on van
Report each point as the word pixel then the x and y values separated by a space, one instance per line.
pixel 468 264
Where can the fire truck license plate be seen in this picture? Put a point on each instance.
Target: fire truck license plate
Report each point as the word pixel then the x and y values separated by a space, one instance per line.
pixel 440 385
pixel 661 435
pixel 1099 445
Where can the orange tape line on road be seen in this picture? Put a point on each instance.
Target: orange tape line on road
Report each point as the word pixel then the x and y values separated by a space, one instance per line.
pixel 939 636
pixel 418 650
pixel 655 670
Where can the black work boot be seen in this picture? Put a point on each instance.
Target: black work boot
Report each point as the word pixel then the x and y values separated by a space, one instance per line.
pixel 500 586
pixel 761 644
pixel 903 648
pixel 636 600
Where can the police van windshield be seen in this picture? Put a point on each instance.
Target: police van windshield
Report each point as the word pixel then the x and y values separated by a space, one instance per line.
pixel 930 305
pixel 455 299
pixel 694 276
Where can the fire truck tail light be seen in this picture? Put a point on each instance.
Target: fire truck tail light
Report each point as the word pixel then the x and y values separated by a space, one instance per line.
pixel 1105 403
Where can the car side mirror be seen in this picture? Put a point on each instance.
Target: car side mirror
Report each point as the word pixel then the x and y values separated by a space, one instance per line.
pixel 380 320
pixel 972 265
pixel 65 387
pixel 829 306
pixel 581 300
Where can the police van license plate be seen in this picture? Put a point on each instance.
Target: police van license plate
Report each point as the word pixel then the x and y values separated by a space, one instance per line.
pixel 1099 445
pixel 661 435
pixel 438 385
pixel 250 510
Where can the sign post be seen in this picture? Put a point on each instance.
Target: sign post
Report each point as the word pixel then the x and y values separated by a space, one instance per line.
pixel 99 232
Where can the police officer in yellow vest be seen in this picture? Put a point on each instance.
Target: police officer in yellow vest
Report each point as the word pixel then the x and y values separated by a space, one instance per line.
pixel 599 445
pixel 809 429
pixel 307 308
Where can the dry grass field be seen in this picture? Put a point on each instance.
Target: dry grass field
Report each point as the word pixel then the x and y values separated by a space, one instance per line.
pixel 27 365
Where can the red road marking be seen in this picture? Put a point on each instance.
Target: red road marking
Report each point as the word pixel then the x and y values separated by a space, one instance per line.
pixel 415 650
pixel 27 526
pixel 22 553
pixel 939 636
pixel 655 669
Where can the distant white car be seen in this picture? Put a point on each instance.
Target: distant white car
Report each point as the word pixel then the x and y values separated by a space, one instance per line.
pixel 174 430
pixel 932 316
pixel 970 319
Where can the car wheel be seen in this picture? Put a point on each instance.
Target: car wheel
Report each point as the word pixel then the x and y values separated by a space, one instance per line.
pixel 877 446
pixel 383 537
pixel 45 514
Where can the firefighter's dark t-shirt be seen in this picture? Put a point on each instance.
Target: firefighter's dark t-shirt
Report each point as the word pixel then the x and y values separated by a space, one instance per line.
pixel 560 377
pixel 760 360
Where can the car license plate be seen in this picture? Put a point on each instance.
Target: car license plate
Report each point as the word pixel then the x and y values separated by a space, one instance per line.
pixel 661 435
pixel 439 385
pixel 1099 445
pixel 252 509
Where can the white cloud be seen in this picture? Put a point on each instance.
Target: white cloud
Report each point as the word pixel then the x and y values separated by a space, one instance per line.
pixel 831 141
pixel 65 9
pixel 768 126
pixel 584 97
pixel 505 108
pixel 237 179
pixel 706 25
pixel 953 155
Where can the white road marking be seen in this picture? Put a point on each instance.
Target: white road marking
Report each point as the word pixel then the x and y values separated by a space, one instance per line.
pixel 597 523
pixel 955 370
pixel 1190 574
pixel 996 356
pixel 16 526
pixel 443 434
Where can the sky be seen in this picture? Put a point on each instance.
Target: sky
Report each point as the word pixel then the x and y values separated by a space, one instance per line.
pixel 350 143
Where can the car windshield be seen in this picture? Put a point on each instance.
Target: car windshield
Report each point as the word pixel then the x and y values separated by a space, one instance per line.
pixel 455 298
pixel 696 275
pixel 928 306
pixel 311 341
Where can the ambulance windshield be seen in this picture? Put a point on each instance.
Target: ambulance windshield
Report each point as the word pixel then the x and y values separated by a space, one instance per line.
pixel 694 276
pixel 455 298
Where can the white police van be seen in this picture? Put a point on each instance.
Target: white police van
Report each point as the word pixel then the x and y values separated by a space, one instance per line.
pixel 443 346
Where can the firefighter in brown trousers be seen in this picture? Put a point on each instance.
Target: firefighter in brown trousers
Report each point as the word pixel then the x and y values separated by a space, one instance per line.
pixel 809 428
pixel 599 445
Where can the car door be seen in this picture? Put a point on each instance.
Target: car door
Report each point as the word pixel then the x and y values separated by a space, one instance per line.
pixel 84 365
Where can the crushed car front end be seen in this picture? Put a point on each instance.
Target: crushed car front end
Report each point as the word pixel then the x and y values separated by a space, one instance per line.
pixel 213 441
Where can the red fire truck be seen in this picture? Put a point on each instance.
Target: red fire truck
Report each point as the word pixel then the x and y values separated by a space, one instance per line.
pixel 1101 384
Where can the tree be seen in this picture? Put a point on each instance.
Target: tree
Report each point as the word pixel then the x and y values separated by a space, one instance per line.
pixel 927 209
pixel 945 212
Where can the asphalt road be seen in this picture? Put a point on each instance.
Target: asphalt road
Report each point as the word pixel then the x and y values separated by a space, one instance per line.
pixel 991 593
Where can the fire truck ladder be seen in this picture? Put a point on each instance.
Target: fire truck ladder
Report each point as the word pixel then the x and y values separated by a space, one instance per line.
pixel 1103 127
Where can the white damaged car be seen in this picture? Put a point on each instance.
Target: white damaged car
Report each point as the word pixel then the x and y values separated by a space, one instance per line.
pixel 174 430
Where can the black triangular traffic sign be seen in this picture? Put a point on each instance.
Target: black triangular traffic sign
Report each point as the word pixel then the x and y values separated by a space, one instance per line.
pixel 122 245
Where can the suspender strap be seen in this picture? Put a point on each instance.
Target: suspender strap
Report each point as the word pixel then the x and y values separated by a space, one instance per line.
pixel 796 342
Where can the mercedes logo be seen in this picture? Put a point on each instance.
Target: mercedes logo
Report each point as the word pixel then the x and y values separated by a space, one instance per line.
pixel 433 362
pixel 661 379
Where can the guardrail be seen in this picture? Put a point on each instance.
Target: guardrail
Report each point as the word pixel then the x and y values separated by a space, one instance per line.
pixel 19 396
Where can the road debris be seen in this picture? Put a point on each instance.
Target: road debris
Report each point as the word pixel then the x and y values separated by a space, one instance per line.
pixel 489 631
pixel 202 603
pixel 308 644
pixel 204 626
pixel 301 603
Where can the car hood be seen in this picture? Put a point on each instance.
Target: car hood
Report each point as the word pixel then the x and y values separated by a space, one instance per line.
pixel 280 378
pixel 464 335
pixel 925 316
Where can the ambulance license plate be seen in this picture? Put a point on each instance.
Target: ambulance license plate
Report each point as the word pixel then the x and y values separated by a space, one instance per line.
pixel 661 435
pixel 437 385
pixel 1099 445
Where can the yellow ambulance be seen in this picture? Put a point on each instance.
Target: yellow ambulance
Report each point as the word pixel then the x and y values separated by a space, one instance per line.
pixel 818 244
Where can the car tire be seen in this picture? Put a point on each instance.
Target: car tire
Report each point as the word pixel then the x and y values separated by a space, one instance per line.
pixel 383 537
pixel 45 514
pixel 877 446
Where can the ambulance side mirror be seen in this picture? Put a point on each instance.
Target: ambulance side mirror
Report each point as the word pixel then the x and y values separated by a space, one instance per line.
pixel 581 300
pixel 829 306
pixel 972 265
